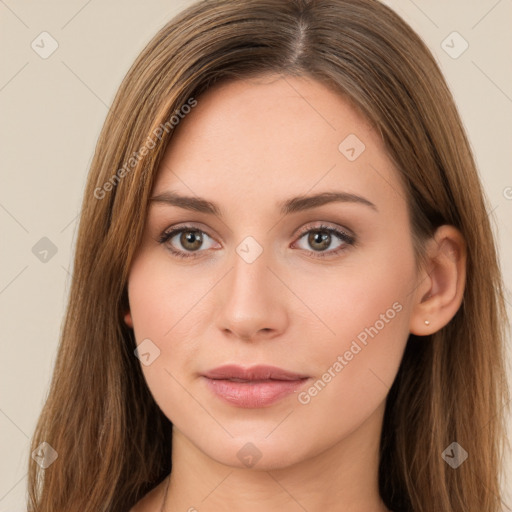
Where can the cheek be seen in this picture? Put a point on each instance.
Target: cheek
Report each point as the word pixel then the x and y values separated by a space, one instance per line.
pixel 354 378
pixel 367 310
pixel 355 369
pixel 161 296
pixel 170 306
pixel 372 289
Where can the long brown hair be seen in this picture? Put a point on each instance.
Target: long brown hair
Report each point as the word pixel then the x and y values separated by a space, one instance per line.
pixel 112 440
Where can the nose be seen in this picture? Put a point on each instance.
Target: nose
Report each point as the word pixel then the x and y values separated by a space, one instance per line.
pixel 252 301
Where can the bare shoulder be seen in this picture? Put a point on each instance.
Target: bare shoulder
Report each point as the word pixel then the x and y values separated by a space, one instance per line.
pixel 152 501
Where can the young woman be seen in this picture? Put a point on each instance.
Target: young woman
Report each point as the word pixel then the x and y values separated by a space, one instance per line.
pixel 286 292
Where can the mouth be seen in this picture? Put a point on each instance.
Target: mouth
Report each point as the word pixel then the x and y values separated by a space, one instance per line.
pixel 258 386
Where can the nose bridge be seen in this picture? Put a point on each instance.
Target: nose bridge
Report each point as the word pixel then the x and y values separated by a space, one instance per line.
pixel 250 259
pixel 252 304
pixel 250 277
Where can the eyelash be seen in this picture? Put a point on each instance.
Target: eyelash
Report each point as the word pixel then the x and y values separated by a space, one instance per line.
pixel 341 235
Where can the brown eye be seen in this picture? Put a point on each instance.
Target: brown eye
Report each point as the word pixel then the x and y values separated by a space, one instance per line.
pixel 319 240
pixel 191 240
pixel 183 242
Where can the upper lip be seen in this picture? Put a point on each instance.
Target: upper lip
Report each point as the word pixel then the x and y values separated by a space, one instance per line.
pixel 253 373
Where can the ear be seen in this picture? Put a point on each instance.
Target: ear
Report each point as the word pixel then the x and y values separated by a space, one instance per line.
pixel 441 285
pixel 128 319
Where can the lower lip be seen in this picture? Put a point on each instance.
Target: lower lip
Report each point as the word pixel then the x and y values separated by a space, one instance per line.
pixel 253 394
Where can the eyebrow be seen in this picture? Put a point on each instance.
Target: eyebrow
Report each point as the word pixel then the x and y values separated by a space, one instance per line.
pixel 293 205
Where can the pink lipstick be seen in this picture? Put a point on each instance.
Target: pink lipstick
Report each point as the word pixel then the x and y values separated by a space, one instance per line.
pixel 257 386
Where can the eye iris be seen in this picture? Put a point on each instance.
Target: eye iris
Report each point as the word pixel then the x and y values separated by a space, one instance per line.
pixel 321 237
pixel 192 237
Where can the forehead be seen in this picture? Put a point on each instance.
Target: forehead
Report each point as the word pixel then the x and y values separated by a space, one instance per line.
pixel 274 137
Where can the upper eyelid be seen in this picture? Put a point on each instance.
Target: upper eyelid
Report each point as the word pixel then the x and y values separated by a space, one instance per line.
pixel 306 226
pixel 325 225
pixel 185 227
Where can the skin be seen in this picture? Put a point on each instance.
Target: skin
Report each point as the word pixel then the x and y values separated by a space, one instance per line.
pixel 247 146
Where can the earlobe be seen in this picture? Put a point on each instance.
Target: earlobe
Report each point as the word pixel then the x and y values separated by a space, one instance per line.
pixel 441 289
pixel 128 319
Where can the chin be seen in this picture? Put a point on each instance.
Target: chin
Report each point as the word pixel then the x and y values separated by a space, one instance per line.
pixel 257 454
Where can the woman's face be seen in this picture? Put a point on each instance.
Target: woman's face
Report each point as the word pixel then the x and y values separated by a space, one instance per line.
pixel 264 281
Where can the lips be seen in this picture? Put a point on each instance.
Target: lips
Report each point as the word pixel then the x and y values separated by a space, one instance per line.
pixel 255 373
pixel 258 386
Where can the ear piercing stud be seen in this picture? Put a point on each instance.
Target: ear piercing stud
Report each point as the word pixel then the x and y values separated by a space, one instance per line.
pixel 427 322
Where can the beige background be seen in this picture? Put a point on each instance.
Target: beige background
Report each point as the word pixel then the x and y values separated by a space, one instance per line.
pixel 53 109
